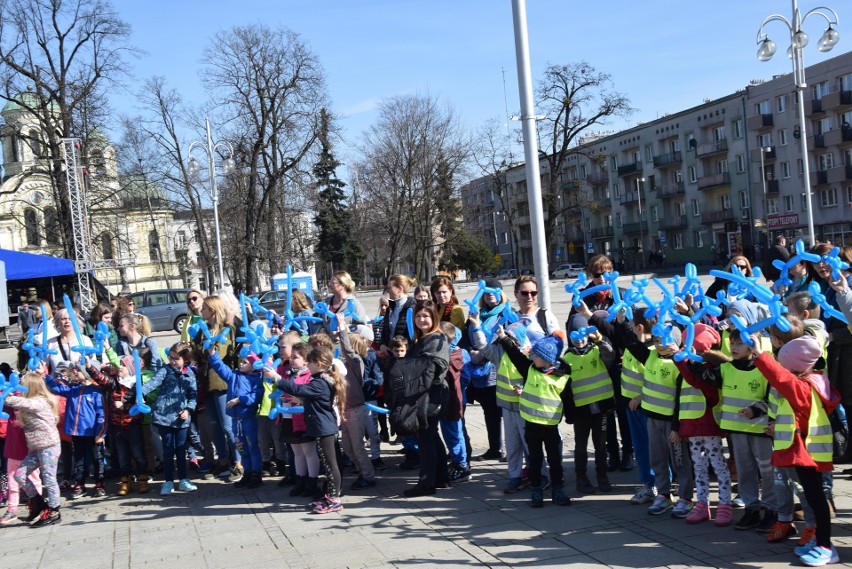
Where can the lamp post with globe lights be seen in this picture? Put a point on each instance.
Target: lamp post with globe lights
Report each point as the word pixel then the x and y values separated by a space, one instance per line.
pixel 798 41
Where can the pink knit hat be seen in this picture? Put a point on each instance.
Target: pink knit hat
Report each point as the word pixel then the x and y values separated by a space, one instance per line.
pixel 800 355
pixel 705 338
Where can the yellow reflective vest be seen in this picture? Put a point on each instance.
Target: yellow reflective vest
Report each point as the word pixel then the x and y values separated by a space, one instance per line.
pixel 590 380
pixel 660 385
pixel 507 377
pixel 819 440
pixel 632 375
pixel 742 389
pixel 540 401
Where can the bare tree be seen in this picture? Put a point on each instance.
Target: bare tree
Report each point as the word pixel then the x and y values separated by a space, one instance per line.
pixel 574 98
pixel 415 145
pixel 269 88
pixel 56 59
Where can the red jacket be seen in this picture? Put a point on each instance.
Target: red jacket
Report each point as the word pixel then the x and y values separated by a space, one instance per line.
pixel 16 442
pixel 797 391
pixel 706 425
pixel 455 408
pixel 115 392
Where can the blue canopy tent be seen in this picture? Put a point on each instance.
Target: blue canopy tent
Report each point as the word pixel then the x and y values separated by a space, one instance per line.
pixel 20 266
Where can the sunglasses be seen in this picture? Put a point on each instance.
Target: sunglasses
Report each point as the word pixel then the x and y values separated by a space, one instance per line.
pixel 743 267
pixel 193 298
pixel 597 275
pixel 528 293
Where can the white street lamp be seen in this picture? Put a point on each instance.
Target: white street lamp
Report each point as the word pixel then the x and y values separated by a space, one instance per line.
pixel 227 166
pixel 798 40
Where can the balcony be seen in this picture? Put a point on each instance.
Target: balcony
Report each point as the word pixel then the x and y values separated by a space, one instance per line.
pixel 709 148
pixel 629 198
pixel 840 174
pixel 714 181
pixel 630 169
pixel 772 186
pixel 820 177
pixel 837 100
pixel 630 228
pixel 671 190
pixel 570 185
pixel 669 159
pixel 717 215
pixel 768 156
pixel 673 222
pixel 760 122
pixel 815 107
pixel 817 141
pixel 602 232
pixel 597 178
pixel 837 136
pixel 601 197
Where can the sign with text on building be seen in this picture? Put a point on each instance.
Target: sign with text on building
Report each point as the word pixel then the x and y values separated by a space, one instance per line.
pixel 783 220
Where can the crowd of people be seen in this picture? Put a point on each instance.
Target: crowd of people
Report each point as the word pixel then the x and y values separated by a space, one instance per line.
pixel 759 408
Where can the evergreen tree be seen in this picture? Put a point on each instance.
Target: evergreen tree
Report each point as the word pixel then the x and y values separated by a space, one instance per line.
pixel 336 246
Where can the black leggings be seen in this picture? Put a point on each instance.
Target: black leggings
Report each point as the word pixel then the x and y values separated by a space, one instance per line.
pixel 811 482
pixel 585 424
pixel 328 456
pixel 487 398
pixel 546 436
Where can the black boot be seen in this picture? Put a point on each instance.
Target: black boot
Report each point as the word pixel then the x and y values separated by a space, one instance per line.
pixel 48 516
pixel 36 505
pixel 310 487
pixel 584 485
pixel 301 482
pixel 255 480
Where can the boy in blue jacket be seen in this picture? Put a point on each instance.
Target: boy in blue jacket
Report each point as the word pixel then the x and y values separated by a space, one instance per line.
pixel 245 391
pixel 84 422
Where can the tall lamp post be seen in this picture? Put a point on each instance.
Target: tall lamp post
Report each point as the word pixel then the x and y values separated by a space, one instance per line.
pixel 763 151
pixel 227 165
pixel 640 183
pixel 798 40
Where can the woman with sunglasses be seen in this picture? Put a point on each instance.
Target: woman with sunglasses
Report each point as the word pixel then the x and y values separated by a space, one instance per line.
pixel 743 264
pixel 194 300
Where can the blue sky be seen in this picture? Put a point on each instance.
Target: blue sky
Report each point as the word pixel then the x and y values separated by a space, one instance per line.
pixel 666 55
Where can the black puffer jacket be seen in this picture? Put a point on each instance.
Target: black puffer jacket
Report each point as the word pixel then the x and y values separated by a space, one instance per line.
pixel 418 389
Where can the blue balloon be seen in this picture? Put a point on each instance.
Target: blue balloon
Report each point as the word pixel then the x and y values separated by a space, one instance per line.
pixel 140 406
pixel 784 266
pixel 582 333
pixel 823 303
pixel 8 388
pixel 376 408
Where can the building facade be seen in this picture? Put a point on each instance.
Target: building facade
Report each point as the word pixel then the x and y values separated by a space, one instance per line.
pixel 698 185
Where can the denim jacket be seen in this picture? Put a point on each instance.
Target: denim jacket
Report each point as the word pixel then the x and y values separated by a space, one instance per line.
pixel 177 391
pixel 247 388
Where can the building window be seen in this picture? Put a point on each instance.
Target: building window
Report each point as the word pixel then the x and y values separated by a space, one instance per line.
pixel 788 204
pixel 740 162
pixel 616 190
pixel 51 226
pixel 583 171
pixel 845 82
pixel 106 246
pixel 724 201
pixel 505 237
pixel 613 163
pixel 771 206
pixel 849 195
pixel 785 169
pixel 681 208
pixel 718 133
pixel 655 213
pixel 677 240
pixel 721 166
pixel 153 246
pixel 677 177
pixel 698 239
pixel 782 137
pixel 819 90
pixel 649 153
pixel 825 161
pixel 737 128
pixel 822 126
pixel 743 199
pixel 764 139
pixel 674 145
pixel 804 202
pixel 696 211
pixel 31 228
pixel 608 220
pixel 693 176
pixel 780 104
pixel 763 108
pixel 618 219
pixel 828 197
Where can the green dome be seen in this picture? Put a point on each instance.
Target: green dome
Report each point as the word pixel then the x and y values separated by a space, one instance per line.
pixel 135 191
pixel 31 101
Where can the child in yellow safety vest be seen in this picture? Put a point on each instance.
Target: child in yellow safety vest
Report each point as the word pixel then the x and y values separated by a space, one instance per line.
pixel 802 433
pixel 542 397
pixel 658 401
pixel 590 358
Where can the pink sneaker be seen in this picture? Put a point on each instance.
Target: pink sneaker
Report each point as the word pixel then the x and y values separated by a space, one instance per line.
pixel 700 513
pixel 724 515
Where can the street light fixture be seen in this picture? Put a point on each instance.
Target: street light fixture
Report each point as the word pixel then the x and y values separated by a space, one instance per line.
pixel 227 166
pixel 798 40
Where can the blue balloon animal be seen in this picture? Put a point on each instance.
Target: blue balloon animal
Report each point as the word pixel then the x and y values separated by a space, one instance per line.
pixel 784 266
pixel 8 388
pixel 473 304
pixel 823 303
pixel 832 259
pixel 582 333
pixel 141 406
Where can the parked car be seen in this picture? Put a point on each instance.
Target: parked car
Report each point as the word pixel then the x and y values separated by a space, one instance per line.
pixel 508 274
pixel 165 308
pixel 568 271
pixel 274 300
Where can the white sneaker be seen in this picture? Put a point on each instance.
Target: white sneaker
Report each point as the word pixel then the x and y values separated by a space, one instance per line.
pixel 644 495
pixel 187 486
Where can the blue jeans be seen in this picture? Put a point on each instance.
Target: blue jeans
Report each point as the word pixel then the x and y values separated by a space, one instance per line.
pixel 248 444
pixel 222 426
pixel 174 447
pixel 638 423
pixel 451 429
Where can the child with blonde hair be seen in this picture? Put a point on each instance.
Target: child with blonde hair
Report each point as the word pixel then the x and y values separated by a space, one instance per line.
pixel 38 414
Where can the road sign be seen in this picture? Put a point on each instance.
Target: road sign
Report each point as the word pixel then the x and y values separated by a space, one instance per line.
pixel 559 252
pixel 590 247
